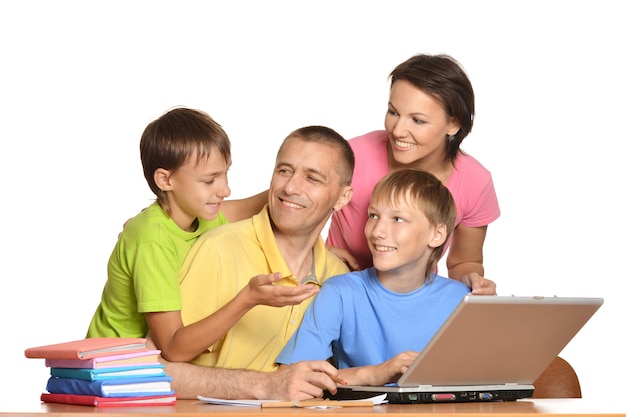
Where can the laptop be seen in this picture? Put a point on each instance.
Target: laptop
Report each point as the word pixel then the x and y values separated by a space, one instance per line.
pixel 491 348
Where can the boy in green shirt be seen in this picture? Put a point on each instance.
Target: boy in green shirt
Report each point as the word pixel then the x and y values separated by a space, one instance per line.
pixel 185 156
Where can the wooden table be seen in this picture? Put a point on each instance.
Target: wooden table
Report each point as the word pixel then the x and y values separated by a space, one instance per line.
pixel 529 407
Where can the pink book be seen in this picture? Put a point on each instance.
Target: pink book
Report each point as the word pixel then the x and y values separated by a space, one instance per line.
pixel 108 401
pixel 147 357
pixel 88 348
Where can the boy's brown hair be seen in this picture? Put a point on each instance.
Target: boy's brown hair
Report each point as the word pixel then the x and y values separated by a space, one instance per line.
pixel 169 141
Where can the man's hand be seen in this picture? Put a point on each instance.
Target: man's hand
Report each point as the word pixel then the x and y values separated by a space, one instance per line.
pixel 302 381
pixel 262 291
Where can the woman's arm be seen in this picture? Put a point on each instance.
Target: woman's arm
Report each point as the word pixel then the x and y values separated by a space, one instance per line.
pixel 465 259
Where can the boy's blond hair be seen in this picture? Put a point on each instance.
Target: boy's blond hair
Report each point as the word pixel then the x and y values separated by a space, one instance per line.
pixel 426 193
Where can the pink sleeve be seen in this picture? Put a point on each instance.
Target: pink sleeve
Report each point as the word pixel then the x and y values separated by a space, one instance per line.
pixel 347 225
pixel 474 193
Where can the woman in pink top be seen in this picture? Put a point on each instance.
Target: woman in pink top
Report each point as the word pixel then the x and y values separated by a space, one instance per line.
pixel 430 112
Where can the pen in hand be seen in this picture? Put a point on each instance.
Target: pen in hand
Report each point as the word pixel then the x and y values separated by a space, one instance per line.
pixel 317 402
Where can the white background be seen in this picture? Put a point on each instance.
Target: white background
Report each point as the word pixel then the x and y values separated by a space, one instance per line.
pixel 79 81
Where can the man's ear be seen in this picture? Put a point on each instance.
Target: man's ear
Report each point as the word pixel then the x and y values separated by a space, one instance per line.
pixel 344 198
pixel 163 179
pixel 439 236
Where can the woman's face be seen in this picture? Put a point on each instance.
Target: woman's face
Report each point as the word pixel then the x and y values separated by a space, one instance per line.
pixel 417 125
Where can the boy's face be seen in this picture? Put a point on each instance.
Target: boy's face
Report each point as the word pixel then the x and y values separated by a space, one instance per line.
pixel 198 188
pixel 305 188
pixel 400 238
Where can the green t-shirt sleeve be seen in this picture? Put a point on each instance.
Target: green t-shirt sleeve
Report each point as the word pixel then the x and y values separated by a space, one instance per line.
pixel 155 278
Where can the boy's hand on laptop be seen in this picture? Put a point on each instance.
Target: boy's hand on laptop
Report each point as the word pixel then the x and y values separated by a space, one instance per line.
pixel 262 291
pixel 381 374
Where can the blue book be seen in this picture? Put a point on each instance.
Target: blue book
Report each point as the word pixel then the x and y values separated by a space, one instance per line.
pixel 89 374
pixel 116 387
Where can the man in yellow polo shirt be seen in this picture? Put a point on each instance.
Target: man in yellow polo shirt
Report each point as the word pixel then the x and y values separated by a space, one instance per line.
pixel 243 276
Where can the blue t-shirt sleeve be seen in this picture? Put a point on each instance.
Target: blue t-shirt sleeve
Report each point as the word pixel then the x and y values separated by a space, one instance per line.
pixel 319 329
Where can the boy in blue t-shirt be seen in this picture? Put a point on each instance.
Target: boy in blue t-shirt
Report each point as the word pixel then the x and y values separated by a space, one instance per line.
pixel 373 323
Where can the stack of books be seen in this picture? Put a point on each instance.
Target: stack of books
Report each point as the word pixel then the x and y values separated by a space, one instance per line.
pixel 103 372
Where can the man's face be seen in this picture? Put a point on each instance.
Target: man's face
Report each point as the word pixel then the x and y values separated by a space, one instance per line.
pixel 305 188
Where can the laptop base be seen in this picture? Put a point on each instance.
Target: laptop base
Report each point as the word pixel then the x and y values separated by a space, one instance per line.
pixel 406 396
